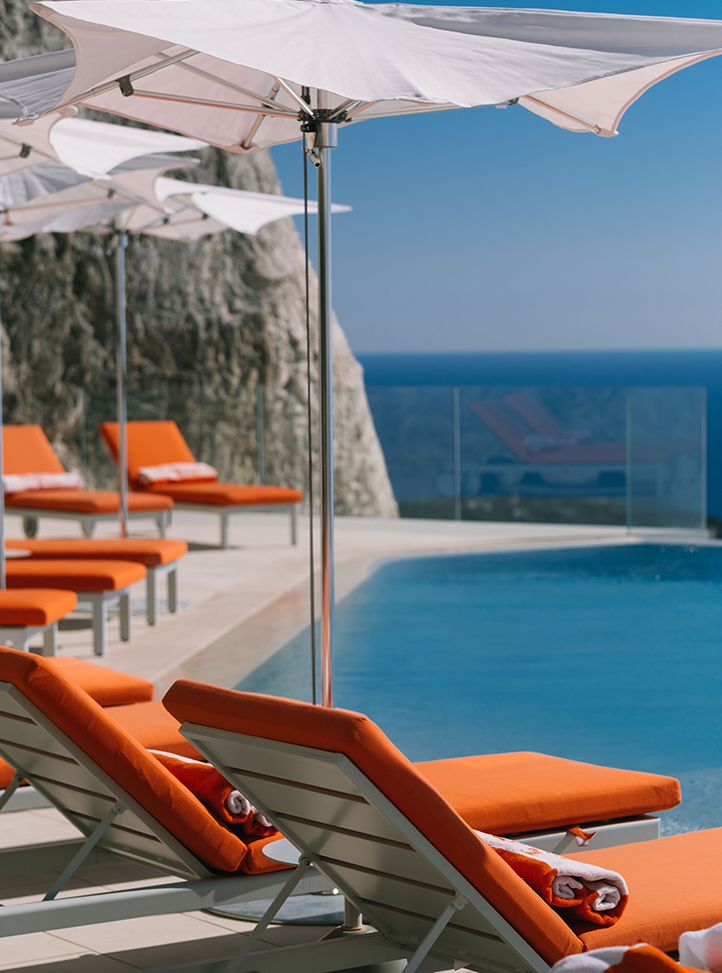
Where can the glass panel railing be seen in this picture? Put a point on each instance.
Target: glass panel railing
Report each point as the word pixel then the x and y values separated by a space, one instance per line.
pixel 667 457
pixel 599 455
pixel 604 455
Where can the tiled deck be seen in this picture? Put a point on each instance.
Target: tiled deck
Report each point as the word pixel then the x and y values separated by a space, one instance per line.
pixel 239 606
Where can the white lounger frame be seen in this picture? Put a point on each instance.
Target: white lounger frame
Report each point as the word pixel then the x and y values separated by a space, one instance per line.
pixel 224 513
pixel 100 601
pixel 87 521
pixel 114 825
pixel 387 870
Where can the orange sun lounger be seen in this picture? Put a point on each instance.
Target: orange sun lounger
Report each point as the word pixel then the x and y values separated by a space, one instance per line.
pixel 125 804
pixel 154 444
pixel 24 612
pixel 27 451
pixel 372 823
pixel 157 555
pixel 97 582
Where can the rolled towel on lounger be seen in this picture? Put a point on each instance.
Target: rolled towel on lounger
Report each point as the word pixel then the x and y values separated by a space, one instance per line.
pixel 176 473
pixel 217 794
pixel 582 890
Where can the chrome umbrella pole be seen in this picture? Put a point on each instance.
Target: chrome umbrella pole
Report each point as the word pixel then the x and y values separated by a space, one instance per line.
pixel 325 141
pixel 121 371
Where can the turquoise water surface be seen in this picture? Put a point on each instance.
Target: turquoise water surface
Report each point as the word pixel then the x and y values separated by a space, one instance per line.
pixel 609 654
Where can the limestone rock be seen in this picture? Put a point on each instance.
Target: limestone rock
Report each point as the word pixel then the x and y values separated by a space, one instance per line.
pixel 209 324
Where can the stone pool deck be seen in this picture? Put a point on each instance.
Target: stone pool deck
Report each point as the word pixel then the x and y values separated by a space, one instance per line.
pixel 238 606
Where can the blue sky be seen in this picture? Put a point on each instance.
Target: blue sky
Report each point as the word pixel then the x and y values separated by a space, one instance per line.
pixel 493 230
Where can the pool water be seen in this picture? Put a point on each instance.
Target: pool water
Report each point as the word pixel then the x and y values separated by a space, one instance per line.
pixel 609 654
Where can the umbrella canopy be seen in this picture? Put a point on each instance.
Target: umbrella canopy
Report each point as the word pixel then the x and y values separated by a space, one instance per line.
pixel 380 59
pixel 243 75
pixel 56 198
pixel 137 198
pixel 91 148
pixel 234 209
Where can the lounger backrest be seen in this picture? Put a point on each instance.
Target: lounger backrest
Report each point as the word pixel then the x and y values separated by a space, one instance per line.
pixel 26 449
pixel 149 444
pixel 341 792
pixel 75 754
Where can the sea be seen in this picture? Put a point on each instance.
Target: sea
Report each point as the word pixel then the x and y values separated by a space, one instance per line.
pixel 569 368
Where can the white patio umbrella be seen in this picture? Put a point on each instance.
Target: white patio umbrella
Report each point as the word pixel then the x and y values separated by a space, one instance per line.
pixel 134 197
pixel 244 75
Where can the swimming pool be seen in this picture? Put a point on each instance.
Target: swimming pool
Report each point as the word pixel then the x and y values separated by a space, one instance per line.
pixel 607 654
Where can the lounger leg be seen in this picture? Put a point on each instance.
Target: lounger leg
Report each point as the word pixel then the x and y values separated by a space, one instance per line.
pixel 173 589
pixel 163 522
pixel 224 529
pixel 11 788
pixel 124 610
pixel 151 597
pixel 87 525
pixel 100 625
pixel 269 915
pixel 294 524
pixel 50 640
pixel 456 904
pixel 77 860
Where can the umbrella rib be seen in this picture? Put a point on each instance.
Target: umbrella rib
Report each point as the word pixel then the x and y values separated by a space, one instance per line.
pixel 266 102
pixel 415 108
pixel 207 103
pixel 134 76
pixel 350 112
pixel 248 140
pixel 296 97
pixel 565 114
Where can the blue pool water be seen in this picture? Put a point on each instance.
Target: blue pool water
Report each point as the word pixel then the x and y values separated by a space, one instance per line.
pixel 610 654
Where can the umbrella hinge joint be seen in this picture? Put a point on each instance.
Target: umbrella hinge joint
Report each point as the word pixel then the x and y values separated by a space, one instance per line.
pixel 126 86
pixel 320 117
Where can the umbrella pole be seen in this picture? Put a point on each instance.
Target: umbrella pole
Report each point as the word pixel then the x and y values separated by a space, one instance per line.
pixel 122 243
pixel 325 141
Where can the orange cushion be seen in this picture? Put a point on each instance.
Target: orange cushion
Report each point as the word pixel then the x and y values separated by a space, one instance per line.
pixel 73 575
pixel 366 746
pixel 106 686
pixel 506 793
pixel 226 494
pixel 122 757
pixel 150 443
pixel 34 607
pixel 152 552
pixel 88 501
pixel 674 886
pixel 26 449
pixel 152 725
pixel 256 863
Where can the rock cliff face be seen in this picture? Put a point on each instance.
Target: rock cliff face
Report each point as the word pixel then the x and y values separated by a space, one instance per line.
pixel 210 324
